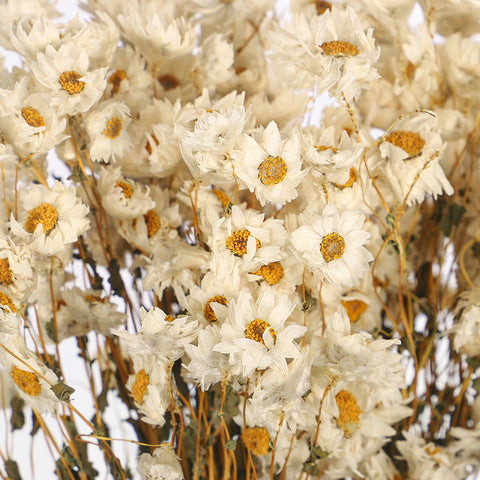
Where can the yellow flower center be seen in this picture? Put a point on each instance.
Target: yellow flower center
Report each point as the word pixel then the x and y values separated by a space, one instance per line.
pixel 408 141
pixel 45 214
pixel 116 79
pixel 256 440
pixel 322 6
pixel 272 273
pixel 272 170
pixel 6 301
pixel 322 148
pixel 354 309
pixel 169 318
pixel 70 82
pixel 140 386
pixel 208 310
pixel 349 416
pixel 410 70
pixel 113 128
pixel 351 180
pixel 95 298
pixel 32 117
pixel 27 381
pixel 237 242
pixel 6 277
pixel 168 82
pixel 338 48
pixel 332 247
pixel 126 188
pixel 148 146
pixel 152 220
pixel 256 328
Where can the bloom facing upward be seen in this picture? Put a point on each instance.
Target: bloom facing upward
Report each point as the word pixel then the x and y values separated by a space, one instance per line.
pixel 332 245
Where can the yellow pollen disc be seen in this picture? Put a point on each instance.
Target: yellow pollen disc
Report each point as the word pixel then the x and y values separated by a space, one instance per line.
pixel 169 318
pixel 322 6
pixel 168 82
pixel 410 70
pixel 272 170
pixel 322 148
pixel 148 146
pixel 208 310
pixel 152 220
pixel 354 309
pixel 237 242
pixel 32 117
pixel 349 416
pixel 408 141
pixel 45 214
pixel 337 48
pixel 27 381
pixel 223 197
pixel 95 298
pixel 272 273
pixel 6 277
pixel 6 301
pixel 116 79
pixel 332 247
pixel 70 82
pixel 256 440
pixel 351 180
pixel 140 386
pixel 256 328
pixel 432 450
pixel 126 188
pixel 113 128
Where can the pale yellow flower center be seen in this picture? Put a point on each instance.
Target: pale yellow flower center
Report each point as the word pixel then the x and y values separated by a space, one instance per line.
pixel 410 70
pixel 169 318
pixel 94 298
pixel 6 301
pixel 237 242
pixel 32 117
pixel 208 310
pixel 256 440
pixel 256 328
pixel 70 82
pixel 140 386
pixel 408 141
pixel 45 214
pixel 6 277
pixel 322 148
pixel 126 188
pixel 222 197
pixel 338 48
pixel 116 79
pixel 272 170
pixel 168 82
pixel 272 273
pixel 332 247
pixel 152 220
pixel 351 179
pixel 27 381
pixel 113 128
pixel 354 309
pixel 349 412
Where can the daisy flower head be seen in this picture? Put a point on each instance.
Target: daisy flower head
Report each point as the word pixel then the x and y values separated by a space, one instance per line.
pixel 163 464
pixel 122 198
pixel 50 220
pixel 65 73
pixel 271 167
pixel 331 51
pixel 331 245
pixel 255 336
pixel 107 127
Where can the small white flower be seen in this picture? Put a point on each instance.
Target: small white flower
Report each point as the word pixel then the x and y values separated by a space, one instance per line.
pixel 107 127
pixel 162 465
pixel 272 167
pixel 255 336
pixel 332 245
pixel 50 220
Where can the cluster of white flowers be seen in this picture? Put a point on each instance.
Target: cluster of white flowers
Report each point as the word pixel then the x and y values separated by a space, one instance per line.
pixel 248 274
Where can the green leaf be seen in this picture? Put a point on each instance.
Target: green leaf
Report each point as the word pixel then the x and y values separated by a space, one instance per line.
pixel 115 281
pixel 17 420
pixel 231 445
pixel 62 391
pixel 318 452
